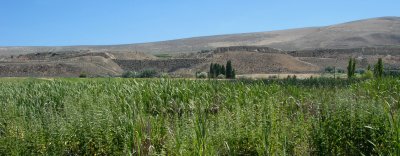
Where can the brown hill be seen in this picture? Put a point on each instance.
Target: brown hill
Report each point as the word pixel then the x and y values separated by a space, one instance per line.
pixel 66 64
pixel 255 62
pixel 383 31
pixel 246 62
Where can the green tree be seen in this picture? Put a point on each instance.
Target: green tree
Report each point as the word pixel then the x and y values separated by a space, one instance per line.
pixel 329 69
pixel 148 73
pixel 233 74
pixel 378 68
pixel 219 69
pixel 201 75
pixel 216 70
pixel 351 68
pixel 229 69
pixel 129 74
pixel 211 72
pixel 83 75
pixel 223 70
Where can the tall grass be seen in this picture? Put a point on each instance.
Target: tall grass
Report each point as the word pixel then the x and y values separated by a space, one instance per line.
pixel 185 117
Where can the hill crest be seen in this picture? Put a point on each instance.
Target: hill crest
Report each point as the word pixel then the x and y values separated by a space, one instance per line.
pixel 383 31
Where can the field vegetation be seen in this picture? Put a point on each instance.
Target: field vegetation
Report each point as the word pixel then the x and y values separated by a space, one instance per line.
pixel 114 116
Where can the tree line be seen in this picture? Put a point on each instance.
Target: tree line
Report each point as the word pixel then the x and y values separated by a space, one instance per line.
pixel 378 70
pixel 221 71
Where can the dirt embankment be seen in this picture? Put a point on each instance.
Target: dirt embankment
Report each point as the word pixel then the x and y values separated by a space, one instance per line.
pixel 353 52
pixel 39 70
pixel 63 64
pixel 169 65
pixel 247 49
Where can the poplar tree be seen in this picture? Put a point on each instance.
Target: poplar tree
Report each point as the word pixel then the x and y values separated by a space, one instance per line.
pixel 229 69
pixel 211 72
pixel 216 70
pixel 223 70
pixel 351 68
pixel 378 69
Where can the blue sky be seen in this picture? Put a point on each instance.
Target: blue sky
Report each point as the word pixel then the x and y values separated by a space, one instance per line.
pixel 99 22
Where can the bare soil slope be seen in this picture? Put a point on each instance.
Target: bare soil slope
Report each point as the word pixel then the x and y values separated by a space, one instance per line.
pixel 246 60
pixel 66 64
pixel 364 33
pixel 257 62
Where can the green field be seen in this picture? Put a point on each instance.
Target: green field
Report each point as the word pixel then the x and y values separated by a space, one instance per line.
pixel 187 117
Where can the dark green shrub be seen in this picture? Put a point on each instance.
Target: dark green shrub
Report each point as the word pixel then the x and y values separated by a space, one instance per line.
pixel 329 69
pixel 340 70
pixel 83 75
pixel 201 75
pixel 392 73
pixel 360 71
pixel 129 74
pixel 148 73
pixel 221 76
pixel 205 51
pixel 368 75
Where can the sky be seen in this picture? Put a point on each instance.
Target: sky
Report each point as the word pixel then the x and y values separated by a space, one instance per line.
pixel 108 22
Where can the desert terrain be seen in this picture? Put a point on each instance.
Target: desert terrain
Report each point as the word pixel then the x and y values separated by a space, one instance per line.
pixel 301 51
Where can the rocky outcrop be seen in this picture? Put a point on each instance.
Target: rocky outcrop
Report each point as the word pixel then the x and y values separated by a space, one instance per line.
pixel 247 48
pixel 332 53
pixel 169 65
pixel 62 55
pixel 39 70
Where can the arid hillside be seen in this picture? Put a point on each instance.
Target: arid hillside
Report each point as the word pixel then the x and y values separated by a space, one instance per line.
pixel 66 64
pixel 305 50
pixel 246 60
pixel 374 32
pixel 257 62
